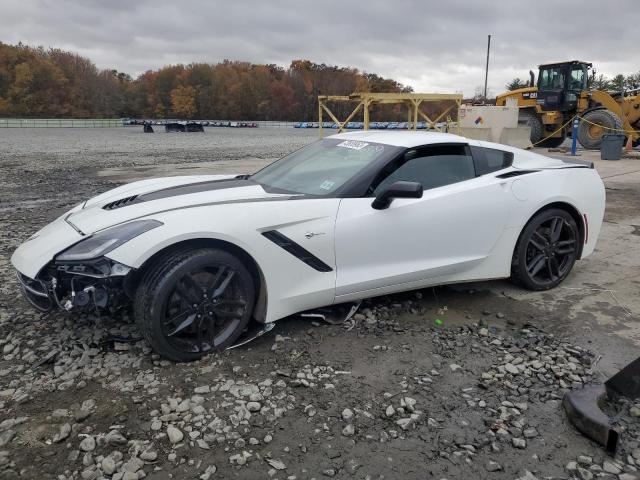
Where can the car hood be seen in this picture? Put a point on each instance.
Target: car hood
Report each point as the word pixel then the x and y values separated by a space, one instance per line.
pixel 144 198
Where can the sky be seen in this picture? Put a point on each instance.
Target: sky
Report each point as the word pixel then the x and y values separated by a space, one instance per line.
pixel 433 46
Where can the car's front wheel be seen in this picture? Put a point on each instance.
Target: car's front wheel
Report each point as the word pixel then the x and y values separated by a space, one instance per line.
pixel 546 250
pixel 193 302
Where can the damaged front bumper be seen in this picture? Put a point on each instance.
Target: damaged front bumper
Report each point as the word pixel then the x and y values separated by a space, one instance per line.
pixel 36 292
pixel 90 285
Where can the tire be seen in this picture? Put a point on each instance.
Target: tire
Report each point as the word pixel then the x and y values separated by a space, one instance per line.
pixel 546 251
pixel 531 119
pixel 553 142
pixel 194 302
pixel 590 136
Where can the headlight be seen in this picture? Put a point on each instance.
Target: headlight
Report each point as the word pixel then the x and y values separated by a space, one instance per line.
pixel 103 242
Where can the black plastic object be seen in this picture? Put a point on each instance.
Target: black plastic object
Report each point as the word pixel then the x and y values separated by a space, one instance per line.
pixel 611 147
pixel 400 189
pixel 297 251
pixel 174 128
pixel 626 382
pixel 583 407
pixel 194 127
pixel 516 173
pixel 123 202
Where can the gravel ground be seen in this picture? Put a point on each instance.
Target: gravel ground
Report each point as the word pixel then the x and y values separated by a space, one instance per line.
pixel 439 383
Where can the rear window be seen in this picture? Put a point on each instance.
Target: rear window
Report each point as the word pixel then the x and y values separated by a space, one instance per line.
pixel 488 160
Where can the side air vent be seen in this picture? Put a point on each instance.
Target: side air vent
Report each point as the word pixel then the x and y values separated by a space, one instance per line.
pixel 297 251
pixel 123 202
pixel 516 173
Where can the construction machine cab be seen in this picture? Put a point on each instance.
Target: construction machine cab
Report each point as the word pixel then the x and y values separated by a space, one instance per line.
pixel 560 85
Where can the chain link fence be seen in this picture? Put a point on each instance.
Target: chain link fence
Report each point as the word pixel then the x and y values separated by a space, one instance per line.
pixel 60 122
pixel 120 122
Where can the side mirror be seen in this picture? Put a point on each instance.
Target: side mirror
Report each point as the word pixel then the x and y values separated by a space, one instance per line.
pixel 400 189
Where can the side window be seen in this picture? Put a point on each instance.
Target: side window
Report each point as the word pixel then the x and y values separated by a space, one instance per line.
pixel 489 160
pixel 577 79
pixel 430 166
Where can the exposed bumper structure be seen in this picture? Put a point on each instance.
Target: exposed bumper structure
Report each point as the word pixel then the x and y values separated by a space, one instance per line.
pixel 91 285
pixel 584 407
pixel 36 292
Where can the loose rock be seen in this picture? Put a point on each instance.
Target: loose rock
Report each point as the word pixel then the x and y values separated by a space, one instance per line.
pixel 175 435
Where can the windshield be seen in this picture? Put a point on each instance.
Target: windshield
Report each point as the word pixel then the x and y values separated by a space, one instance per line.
pixel 322 167
pixel 551 79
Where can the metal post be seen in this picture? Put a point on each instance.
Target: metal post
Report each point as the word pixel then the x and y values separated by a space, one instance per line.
pixel 574 136
pixel 366 114
pixel 486 71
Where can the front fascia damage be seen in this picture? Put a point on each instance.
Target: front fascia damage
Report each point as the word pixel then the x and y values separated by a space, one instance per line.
pixel 89 285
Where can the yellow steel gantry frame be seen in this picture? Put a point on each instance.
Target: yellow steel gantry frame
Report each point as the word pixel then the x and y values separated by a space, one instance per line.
pixel 366 99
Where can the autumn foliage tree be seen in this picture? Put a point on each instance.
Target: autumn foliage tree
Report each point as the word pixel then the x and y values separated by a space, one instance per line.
pixel 35 82
pixel 183 101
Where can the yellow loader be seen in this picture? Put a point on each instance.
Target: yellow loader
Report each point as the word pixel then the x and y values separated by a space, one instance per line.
pixel 562 91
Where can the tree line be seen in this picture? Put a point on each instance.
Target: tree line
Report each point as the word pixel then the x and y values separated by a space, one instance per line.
pixel 38 82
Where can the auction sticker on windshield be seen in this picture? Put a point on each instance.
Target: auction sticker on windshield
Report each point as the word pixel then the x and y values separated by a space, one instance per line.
pixel 327 185
pixel 353 144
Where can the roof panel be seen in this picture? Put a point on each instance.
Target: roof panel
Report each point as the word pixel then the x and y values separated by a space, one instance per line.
pixel 522 158
pixel 405 138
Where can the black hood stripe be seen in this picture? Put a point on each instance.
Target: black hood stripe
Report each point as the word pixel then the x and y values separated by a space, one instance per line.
pixel 179 190
pixel 198 205
pixel 195 188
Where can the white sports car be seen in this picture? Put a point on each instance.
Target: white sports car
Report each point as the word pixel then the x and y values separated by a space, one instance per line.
pixel 351 216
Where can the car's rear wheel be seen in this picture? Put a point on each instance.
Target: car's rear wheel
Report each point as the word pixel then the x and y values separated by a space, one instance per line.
pixel 194 302
pixel 546 251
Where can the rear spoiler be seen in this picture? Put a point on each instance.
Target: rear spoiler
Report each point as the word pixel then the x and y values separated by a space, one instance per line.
pixel 567 164
pixel 571 163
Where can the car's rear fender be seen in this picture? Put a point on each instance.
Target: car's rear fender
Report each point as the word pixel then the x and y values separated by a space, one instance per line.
pixel 578 190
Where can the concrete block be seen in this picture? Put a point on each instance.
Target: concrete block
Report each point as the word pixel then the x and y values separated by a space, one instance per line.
pixel 476 133
pixel 516 137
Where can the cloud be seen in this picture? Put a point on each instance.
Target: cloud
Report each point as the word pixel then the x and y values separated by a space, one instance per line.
pixel 430 45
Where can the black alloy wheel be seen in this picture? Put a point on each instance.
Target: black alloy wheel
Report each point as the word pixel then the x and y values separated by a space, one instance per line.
pixel 198 302
pixel 203 309
pixel 547 250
